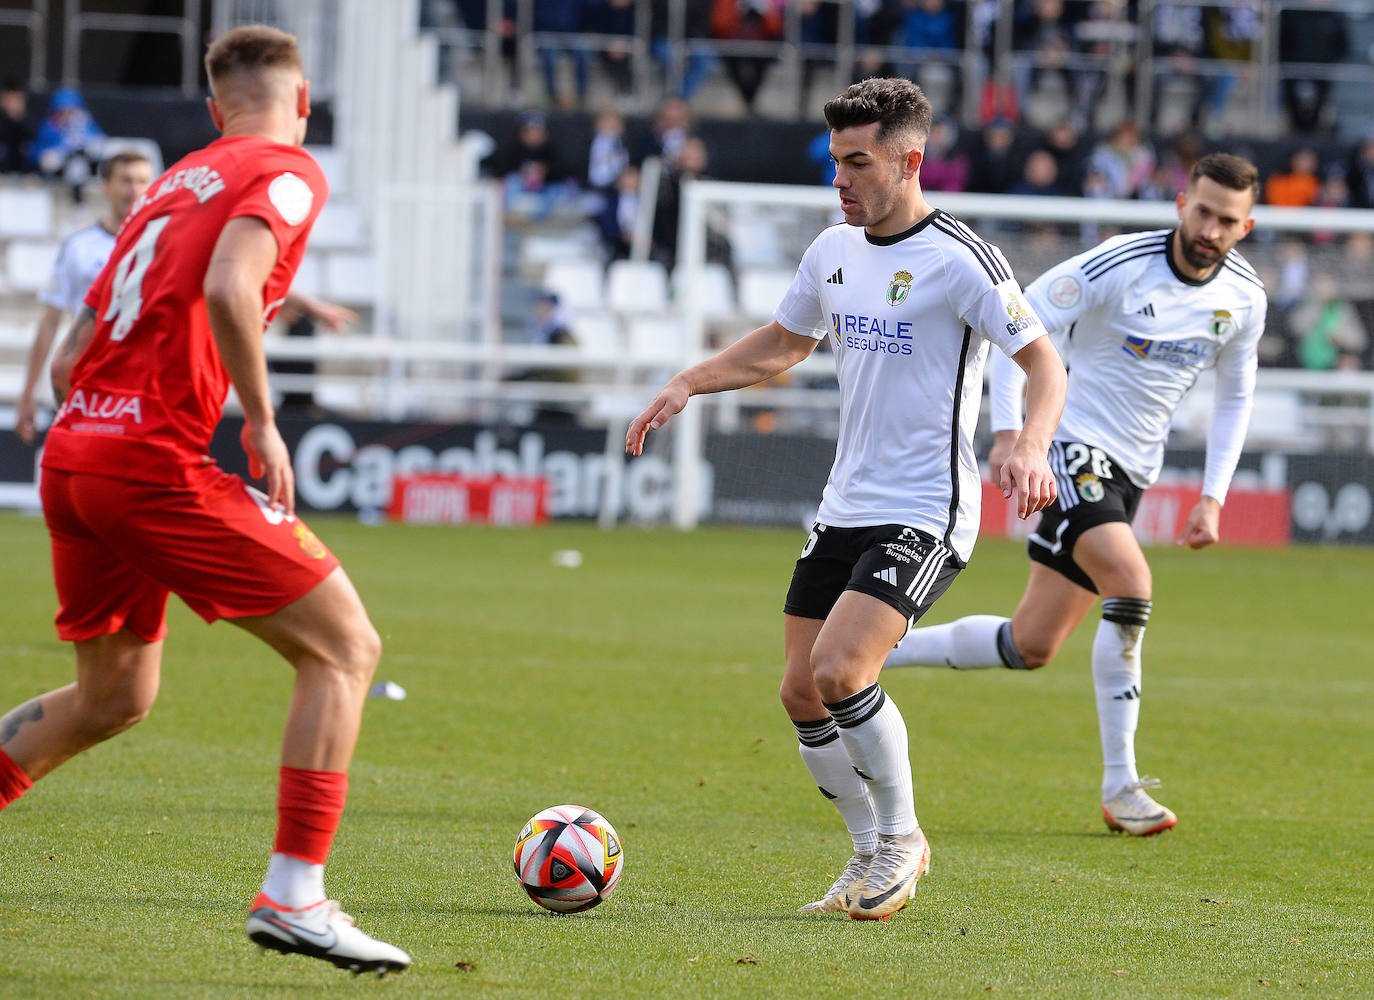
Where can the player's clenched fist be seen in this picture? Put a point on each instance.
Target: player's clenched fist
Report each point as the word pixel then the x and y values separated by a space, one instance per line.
pixel 669 402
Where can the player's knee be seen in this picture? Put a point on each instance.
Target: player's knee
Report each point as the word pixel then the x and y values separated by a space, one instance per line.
pixel 362 651
pixel 115 712
pixel 798 699
pixel 1128 582
pixel 834 674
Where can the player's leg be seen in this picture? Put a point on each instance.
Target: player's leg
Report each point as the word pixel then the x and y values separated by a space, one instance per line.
pixel 116 683
pixel 327 637
pixel 1050 609
pixel 820 577
pixel 818 742
pixel 114 615
pixel 1110 554
pixel 846 660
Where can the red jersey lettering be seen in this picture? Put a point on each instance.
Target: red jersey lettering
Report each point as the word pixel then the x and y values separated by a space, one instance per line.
pixel 148 391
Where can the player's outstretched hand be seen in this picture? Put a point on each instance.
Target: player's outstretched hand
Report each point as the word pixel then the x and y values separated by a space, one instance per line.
pixel 667 404
pixel 268 456
pixel 1027 474
pixel 1203 526
pixel 25 420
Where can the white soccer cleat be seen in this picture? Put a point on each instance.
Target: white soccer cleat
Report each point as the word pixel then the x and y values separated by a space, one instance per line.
pixel 321 931
pixel 1132 811
pixel 836 900
pixel 891 876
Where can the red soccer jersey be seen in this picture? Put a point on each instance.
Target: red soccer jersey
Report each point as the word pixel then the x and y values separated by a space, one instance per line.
pixel 148 391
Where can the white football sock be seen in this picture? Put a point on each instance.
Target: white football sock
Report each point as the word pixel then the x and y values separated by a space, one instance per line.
pixel 1116 680
pixel 292 882
pixel 874 735
pixel 970 643
pixel 828 761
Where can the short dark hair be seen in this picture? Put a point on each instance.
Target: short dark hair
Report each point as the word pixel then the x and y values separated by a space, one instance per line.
pixel 1234 172
pixel 900 107
pixel 112 163
pixel 251 48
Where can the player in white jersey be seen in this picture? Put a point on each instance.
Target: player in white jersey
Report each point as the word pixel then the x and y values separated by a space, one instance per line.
pixel 1140 317
pixel 123 179
pixel 911 299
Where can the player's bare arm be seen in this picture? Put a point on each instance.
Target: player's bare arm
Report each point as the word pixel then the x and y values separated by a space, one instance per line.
pixel 756 357
pixel 48 323
pixel 1026 470
pixel 78 338
pixel 242 259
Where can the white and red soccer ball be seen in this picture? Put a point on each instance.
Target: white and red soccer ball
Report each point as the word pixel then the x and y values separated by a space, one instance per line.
pixel 568 859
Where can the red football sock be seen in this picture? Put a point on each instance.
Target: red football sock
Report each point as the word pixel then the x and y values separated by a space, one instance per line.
pixel 309 804
pixel 13 781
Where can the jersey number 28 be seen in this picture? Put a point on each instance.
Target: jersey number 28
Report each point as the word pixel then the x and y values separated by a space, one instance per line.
pixel 126 291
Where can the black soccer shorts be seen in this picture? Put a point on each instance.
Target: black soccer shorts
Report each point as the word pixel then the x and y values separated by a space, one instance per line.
pixel 1092 490
pixel 904 568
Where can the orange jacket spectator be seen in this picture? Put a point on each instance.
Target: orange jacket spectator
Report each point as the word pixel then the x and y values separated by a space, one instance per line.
pixel 1300 186
pixel 752 19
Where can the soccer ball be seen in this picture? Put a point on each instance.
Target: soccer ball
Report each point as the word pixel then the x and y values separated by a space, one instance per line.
pixel 568 859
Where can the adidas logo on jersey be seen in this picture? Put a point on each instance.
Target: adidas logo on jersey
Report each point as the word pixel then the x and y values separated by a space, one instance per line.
pixel 888 576
pixel 837 278
pixel 1147 310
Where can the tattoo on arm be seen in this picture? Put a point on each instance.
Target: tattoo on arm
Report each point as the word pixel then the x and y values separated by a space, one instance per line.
pixel 30 711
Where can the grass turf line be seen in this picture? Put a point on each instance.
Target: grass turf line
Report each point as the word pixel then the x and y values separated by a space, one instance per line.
pixel 643 684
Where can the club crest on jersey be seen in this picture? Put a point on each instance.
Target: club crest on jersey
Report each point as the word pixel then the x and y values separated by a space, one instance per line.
pixel 1065 291
pixel 310 544
pixel 1221 323
pixel 898 288
pixel 1090 487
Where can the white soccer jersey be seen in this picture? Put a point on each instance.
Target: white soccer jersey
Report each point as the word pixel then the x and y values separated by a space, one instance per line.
pixel 79 263
pixel 1135 333
pixel 910 317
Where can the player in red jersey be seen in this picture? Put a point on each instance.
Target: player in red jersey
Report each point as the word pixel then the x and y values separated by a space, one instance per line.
pixel 136 509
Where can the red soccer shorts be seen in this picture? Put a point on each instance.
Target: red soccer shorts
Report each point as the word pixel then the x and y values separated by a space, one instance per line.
pixel 119 547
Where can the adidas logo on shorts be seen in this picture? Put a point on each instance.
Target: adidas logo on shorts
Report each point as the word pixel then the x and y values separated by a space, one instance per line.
pixel 888 576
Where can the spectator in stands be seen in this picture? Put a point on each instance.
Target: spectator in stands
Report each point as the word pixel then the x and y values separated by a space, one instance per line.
pixel 1233 30
pixel 1299 185
pixel 747 20
pixel 1328 327
pixel 16 134
pixel 607 156
pixel 614 18
pixel 1125 162
pixel 1066 146
pixel 1310 36
pixel 945 167
pixel 530 168
pixel 1360 175
pixel 562 17
pixel 931 26
pixel 1040 176
pixel 68 142
pixel 671 128
pixel 549 326
pixel 1173 171
pixel 1044 34
pixel 699 61
pixel 1179 42
pixel 693 163
pixel 1107 36
pixel 616 221
pixel 997 163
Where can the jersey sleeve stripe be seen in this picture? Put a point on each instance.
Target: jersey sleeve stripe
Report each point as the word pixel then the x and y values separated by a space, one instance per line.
pixel 1152 251
pixel 1244 274
pixel 1135 241
pixel 999 262
pixel 1239 262
pixel 1105 260
pixel 989 263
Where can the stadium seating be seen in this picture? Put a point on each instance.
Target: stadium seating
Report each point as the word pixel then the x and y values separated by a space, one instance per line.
pixel 635 286
pixel 28 264
pixel 26 212
pixel 578 283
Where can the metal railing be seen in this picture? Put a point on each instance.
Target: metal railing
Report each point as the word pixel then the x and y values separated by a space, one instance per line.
pixel 35 22
pixel 77 22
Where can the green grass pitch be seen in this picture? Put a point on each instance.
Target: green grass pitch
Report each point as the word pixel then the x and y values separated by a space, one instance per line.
pixel 643 684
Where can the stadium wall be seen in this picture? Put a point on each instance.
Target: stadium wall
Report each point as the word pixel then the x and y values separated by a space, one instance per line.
pixel 347 466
